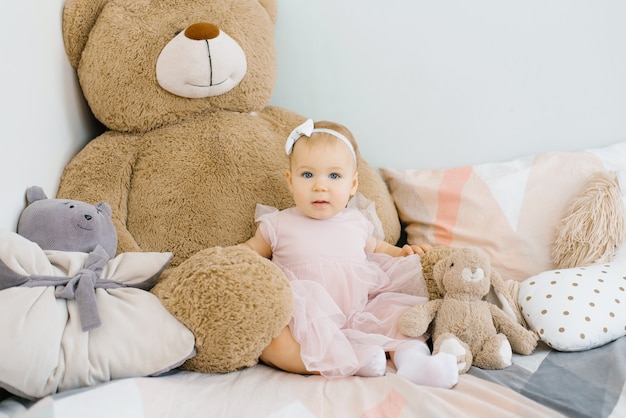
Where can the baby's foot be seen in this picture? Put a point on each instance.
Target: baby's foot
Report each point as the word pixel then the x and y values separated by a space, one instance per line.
pixel 376 367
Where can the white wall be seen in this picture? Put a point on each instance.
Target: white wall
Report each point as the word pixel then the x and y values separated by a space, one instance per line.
pixel 448 82
pixel 420 82
pixel 43 117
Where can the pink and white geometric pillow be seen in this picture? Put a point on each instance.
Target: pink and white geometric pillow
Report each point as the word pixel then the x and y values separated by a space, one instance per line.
pixel 509 209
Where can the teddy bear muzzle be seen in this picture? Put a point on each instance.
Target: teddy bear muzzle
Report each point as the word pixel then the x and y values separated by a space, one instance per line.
pixel 470 274
pixel 201 61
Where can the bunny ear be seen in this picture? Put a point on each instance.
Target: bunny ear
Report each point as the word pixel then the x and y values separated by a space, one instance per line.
pixel 504 295
pixel 439 271
pixel 429 260
pixel 35 193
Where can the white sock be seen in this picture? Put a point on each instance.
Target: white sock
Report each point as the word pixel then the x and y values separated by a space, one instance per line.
pixel 376 367
pixel 414 362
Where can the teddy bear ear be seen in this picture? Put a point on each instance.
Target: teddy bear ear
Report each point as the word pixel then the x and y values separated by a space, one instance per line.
pixel 79 17
pixel 439 270
pixel 271 7
pixel 35 193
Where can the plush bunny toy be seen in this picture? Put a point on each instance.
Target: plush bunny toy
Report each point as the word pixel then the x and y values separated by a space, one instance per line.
pixel 463 323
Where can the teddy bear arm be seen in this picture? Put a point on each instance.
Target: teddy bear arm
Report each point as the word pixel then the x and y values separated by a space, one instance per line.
pixel 284 117
pixel 101 172
pixel 522 340
pixel 125 241
pixel 416 320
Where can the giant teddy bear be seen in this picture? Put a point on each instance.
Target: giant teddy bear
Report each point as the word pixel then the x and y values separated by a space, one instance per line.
pixel 190 147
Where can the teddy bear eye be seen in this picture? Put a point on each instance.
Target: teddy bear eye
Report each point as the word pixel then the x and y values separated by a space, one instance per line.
pixel 451 264
pixel 71 206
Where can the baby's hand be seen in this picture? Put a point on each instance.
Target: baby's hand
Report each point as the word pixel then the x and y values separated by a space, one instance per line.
pixel 420 249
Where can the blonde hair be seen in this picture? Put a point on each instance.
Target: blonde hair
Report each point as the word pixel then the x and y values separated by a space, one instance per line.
pixel 335 127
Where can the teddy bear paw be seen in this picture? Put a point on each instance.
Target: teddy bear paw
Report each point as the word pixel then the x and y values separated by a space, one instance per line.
pixel 506 353
pixel 457 348
pixel 496 353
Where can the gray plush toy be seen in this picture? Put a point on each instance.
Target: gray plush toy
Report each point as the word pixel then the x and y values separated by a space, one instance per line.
pixel 75 313
pixel 70 225
pixel 74 226
pixel 67 225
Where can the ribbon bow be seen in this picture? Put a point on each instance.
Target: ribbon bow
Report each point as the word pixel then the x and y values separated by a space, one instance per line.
pixel 307 129
pixel 81 287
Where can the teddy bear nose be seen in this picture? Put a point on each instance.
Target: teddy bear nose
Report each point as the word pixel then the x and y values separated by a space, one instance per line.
pixel 202 31
pixel 88 217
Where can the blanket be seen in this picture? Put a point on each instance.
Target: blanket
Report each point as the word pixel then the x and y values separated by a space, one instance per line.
pixel 578 384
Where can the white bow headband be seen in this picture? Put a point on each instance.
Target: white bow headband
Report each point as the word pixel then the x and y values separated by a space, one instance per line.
pixel 307 129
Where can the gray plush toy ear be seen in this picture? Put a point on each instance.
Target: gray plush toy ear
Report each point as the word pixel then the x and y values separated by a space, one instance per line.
pixel 67 225
pixel 105 208
pixel 35 193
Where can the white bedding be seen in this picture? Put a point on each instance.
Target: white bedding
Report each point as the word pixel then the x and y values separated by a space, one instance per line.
pixel 264 392
pixel 547 384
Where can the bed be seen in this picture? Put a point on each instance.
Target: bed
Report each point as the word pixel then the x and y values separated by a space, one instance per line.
pixel 565 376
pixel 534 386
pixel 504 91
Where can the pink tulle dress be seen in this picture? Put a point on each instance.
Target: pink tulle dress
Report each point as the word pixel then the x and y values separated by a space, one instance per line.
pixel 346 298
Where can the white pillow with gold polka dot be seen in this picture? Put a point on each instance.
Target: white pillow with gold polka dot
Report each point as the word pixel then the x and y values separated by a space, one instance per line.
pixel 578 308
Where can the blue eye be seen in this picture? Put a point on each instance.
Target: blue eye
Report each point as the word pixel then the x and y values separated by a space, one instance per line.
pixel 334 176
pixel 307 175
